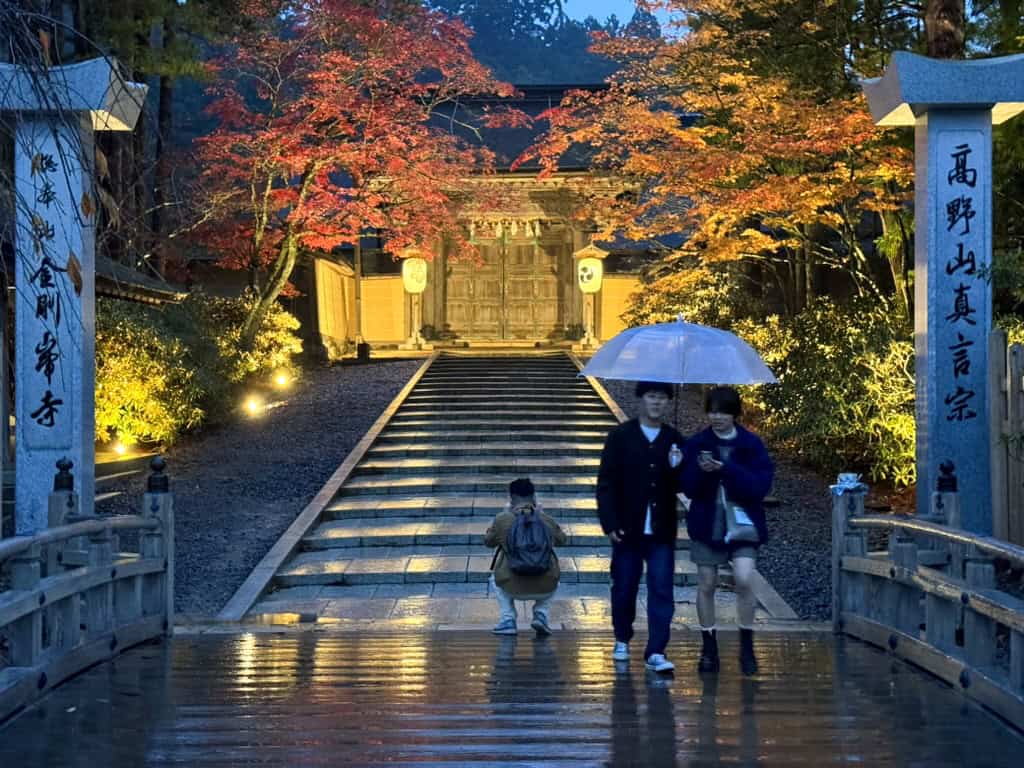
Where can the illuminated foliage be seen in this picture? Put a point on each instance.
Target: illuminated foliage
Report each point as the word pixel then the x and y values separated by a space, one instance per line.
pixel 328 126
pixel 161 372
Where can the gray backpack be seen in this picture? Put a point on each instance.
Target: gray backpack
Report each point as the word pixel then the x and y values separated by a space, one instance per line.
pixel 528 547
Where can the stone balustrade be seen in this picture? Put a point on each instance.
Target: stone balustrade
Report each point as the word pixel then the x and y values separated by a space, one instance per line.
pixel 70 597
pixel 932 597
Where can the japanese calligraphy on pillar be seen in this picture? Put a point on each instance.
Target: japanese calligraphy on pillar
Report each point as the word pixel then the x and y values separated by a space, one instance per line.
pixel 960 288
pixel 45 258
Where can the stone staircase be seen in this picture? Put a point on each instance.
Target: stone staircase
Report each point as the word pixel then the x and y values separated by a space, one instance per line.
pixel 409 520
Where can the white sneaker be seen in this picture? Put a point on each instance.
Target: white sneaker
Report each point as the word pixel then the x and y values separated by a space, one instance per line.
pixel 656 662
pixel 621 652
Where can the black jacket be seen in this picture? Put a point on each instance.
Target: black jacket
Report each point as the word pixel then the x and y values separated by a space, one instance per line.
pixel 633 472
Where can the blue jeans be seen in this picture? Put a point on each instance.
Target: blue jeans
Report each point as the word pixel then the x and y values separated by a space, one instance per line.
pixel 628 560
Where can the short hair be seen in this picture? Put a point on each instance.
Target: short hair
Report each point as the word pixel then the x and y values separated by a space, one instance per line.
pixel 723 400
pixel 643 387
pixel 523 488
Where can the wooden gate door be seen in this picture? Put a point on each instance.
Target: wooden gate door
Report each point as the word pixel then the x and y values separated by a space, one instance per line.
pixel 474 303
pixel 514 294
pixel 531 292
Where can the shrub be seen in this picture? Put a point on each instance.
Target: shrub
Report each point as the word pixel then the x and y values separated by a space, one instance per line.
pixel 146 385
pixel 845 398
pixel 161 372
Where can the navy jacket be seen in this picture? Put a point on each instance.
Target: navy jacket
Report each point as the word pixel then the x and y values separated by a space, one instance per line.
pixel 634 471
pixel 747 478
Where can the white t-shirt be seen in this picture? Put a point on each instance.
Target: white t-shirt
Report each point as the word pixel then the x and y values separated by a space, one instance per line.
pixel 651 433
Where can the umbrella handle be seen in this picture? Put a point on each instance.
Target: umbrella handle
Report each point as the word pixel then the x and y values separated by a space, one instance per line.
pixel 676 398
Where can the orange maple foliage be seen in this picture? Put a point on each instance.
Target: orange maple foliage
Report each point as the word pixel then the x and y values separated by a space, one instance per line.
pixel 749 163
pixel 328 127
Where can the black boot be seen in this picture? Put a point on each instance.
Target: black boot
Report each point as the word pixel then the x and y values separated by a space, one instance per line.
pixel 709 652
pixel 748 662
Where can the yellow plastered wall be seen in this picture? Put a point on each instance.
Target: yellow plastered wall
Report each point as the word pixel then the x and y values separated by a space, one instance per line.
pixel 335 301
pixel 383 300
pixel 614 298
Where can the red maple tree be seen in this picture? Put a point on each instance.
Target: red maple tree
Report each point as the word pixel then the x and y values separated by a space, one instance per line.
pixel 336 118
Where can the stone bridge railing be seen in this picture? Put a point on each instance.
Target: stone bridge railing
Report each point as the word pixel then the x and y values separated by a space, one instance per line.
pixel 939 597
pixel 70 597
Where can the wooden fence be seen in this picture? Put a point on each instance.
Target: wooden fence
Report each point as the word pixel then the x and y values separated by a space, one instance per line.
pixel 1006 383
pixel 69 597
pixel 937 596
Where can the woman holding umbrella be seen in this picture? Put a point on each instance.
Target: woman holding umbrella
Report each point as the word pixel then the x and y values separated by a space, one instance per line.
pixel 726 473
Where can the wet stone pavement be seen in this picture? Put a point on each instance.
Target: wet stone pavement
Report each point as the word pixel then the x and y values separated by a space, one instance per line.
pixel 471 699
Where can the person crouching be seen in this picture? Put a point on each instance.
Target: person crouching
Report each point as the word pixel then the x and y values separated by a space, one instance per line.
pixel 525 565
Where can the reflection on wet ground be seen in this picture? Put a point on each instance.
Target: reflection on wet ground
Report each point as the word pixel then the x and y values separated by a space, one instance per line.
pixel 471 699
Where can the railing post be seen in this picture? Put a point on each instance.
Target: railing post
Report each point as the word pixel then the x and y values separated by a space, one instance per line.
pixel 847 502
pixel 99 601
pixel 26 634
pixel 158 502
pixel 979 631
pixel 903 604
pixel 63 504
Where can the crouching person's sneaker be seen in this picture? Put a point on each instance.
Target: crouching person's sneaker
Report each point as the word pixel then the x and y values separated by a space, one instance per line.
pixel 657 662
pixel 540 626
pixel 506 627
pixel 620 652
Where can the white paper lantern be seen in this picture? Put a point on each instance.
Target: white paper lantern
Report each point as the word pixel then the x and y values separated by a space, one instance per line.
pixel 414 274
pixel 589 272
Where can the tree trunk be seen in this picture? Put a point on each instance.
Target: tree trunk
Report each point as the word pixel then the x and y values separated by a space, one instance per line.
pixel 898 257
pixel 283 267
pixel 944 25
pixel 162 179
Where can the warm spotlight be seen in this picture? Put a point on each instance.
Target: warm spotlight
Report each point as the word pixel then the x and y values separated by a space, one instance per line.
pixel 253 405
pixel 282 380
pixel 120 448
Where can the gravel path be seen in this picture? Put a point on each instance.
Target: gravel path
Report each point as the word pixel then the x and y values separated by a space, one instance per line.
pixel 796 560
pixel 238 487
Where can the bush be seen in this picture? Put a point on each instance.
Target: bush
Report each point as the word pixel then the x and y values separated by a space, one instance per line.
pixel 161 372
pixel 845 398
pixel 146 385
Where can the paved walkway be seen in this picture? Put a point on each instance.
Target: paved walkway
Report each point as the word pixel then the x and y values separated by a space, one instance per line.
pixel 471 699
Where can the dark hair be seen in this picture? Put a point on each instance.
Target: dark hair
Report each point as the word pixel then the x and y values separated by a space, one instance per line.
pixel 522 488
pixel 723 400
pixel 643 387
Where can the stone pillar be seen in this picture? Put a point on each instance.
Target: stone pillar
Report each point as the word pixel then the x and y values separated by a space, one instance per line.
pixel 55 117
pixel 952 106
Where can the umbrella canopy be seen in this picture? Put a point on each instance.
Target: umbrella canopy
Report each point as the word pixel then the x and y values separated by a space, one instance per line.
pixel 679 353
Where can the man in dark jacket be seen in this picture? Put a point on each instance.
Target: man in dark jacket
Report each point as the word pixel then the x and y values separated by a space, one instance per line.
pixel 636 500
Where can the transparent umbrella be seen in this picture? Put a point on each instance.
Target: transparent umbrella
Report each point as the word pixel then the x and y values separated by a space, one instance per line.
pixel 679 353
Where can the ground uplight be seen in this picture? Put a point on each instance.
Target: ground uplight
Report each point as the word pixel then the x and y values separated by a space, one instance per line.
pixel 253 405
pixel 120 448
pixel 282 380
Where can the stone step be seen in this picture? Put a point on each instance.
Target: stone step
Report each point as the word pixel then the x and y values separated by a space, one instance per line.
pixel 438 434
pixel 475 415
pixel 443 389
pixel 506 401
pixel 412 531
pixel 480 448
pixel 564 427
pixel 327 567
pixel 520 466
pixel 500 379
pixel 465 483
pixel 501 410
pixel 487 505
